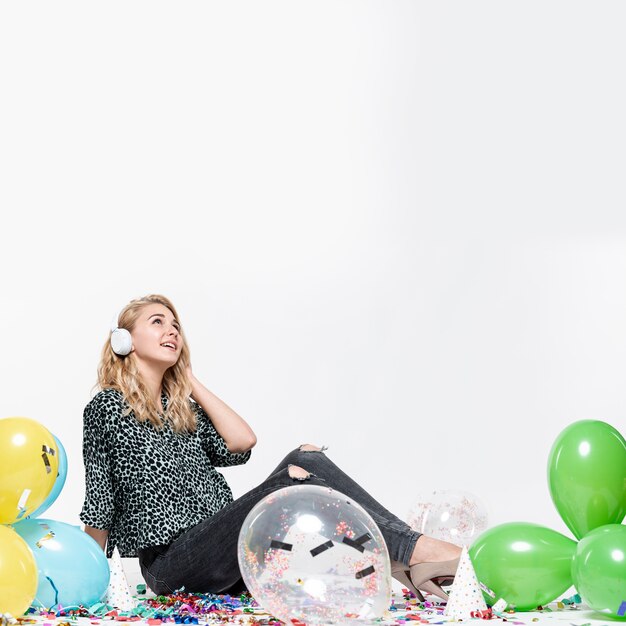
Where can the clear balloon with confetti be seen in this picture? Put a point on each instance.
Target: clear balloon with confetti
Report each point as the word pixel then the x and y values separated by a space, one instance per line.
pixel 312 554
pixel 451 515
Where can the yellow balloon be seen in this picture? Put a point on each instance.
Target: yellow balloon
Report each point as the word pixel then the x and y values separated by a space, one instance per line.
pixel 29 463
pixel 18 573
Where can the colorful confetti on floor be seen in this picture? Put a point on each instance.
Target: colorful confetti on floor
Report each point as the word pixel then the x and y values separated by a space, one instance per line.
pixel 186 608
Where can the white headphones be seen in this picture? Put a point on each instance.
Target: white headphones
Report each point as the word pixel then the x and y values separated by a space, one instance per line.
pixel 121 341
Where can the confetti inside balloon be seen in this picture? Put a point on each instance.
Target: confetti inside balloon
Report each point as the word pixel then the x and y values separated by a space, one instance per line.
pixel 311 554
pixel 450 515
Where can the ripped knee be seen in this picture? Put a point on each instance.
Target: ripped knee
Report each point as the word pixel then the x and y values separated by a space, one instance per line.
pixel 298 473
pixel 309 447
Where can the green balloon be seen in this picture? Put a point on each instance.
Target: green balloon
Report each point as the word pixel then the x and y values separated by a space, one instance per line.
pixel 599 569
pixel 525 564
pixel 587 476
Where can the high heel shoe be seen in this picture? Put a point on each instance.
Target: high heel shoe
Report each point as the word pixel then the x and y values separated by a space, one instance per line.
pixel 399 572
pixel 423 575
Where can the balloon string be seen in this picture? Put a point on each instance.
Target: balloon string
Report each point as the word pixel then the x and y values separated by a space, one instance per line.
pixel 56 593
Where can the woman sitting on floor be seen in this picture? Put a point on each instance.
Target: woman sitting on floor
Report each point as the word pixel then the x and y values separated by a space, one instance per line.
pixel 153 436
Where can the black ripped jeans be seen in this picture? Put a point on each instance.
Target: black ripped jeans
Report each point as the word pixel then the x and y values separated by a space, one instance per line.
pixel 204 558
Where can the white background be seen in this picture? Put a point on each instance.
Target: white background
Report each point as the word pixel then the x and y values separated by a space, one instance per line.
pixel 394 228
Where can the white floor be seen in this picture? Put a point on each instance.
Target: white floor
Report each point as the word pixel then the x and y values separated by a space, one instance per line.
pixel 579 616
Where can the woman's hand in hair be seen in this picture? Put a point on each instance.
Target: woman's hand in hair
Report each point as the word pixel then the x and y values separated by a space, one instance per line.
pixel 235 431
pixel 194 382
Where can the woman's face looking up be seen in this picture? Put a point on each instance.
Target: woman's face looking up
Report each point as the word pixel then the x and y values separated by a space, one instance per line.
pixel 156 335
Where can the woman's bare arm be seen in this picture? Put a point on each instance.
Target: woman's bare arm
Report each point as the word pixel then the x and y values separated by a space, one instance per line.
pixel 100 536
pixel 235 431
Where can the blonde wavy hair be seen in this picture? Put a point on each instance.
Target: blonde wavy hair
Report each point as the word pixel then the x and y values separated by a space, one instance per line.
pixel 122 373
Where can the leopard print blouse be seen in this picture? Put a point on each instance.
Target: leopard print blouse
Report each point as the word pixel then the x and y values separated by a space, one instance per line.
pixel 147 486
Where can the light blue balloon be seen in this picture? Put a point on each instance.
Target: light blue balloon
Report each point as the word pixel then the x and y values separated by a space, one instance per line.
pixel 58 483
pixel 72 567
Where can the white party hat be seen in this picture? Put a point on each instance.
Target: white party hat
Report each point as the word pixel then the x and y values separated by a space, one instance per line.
pixel 118 592
pixel 465 595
